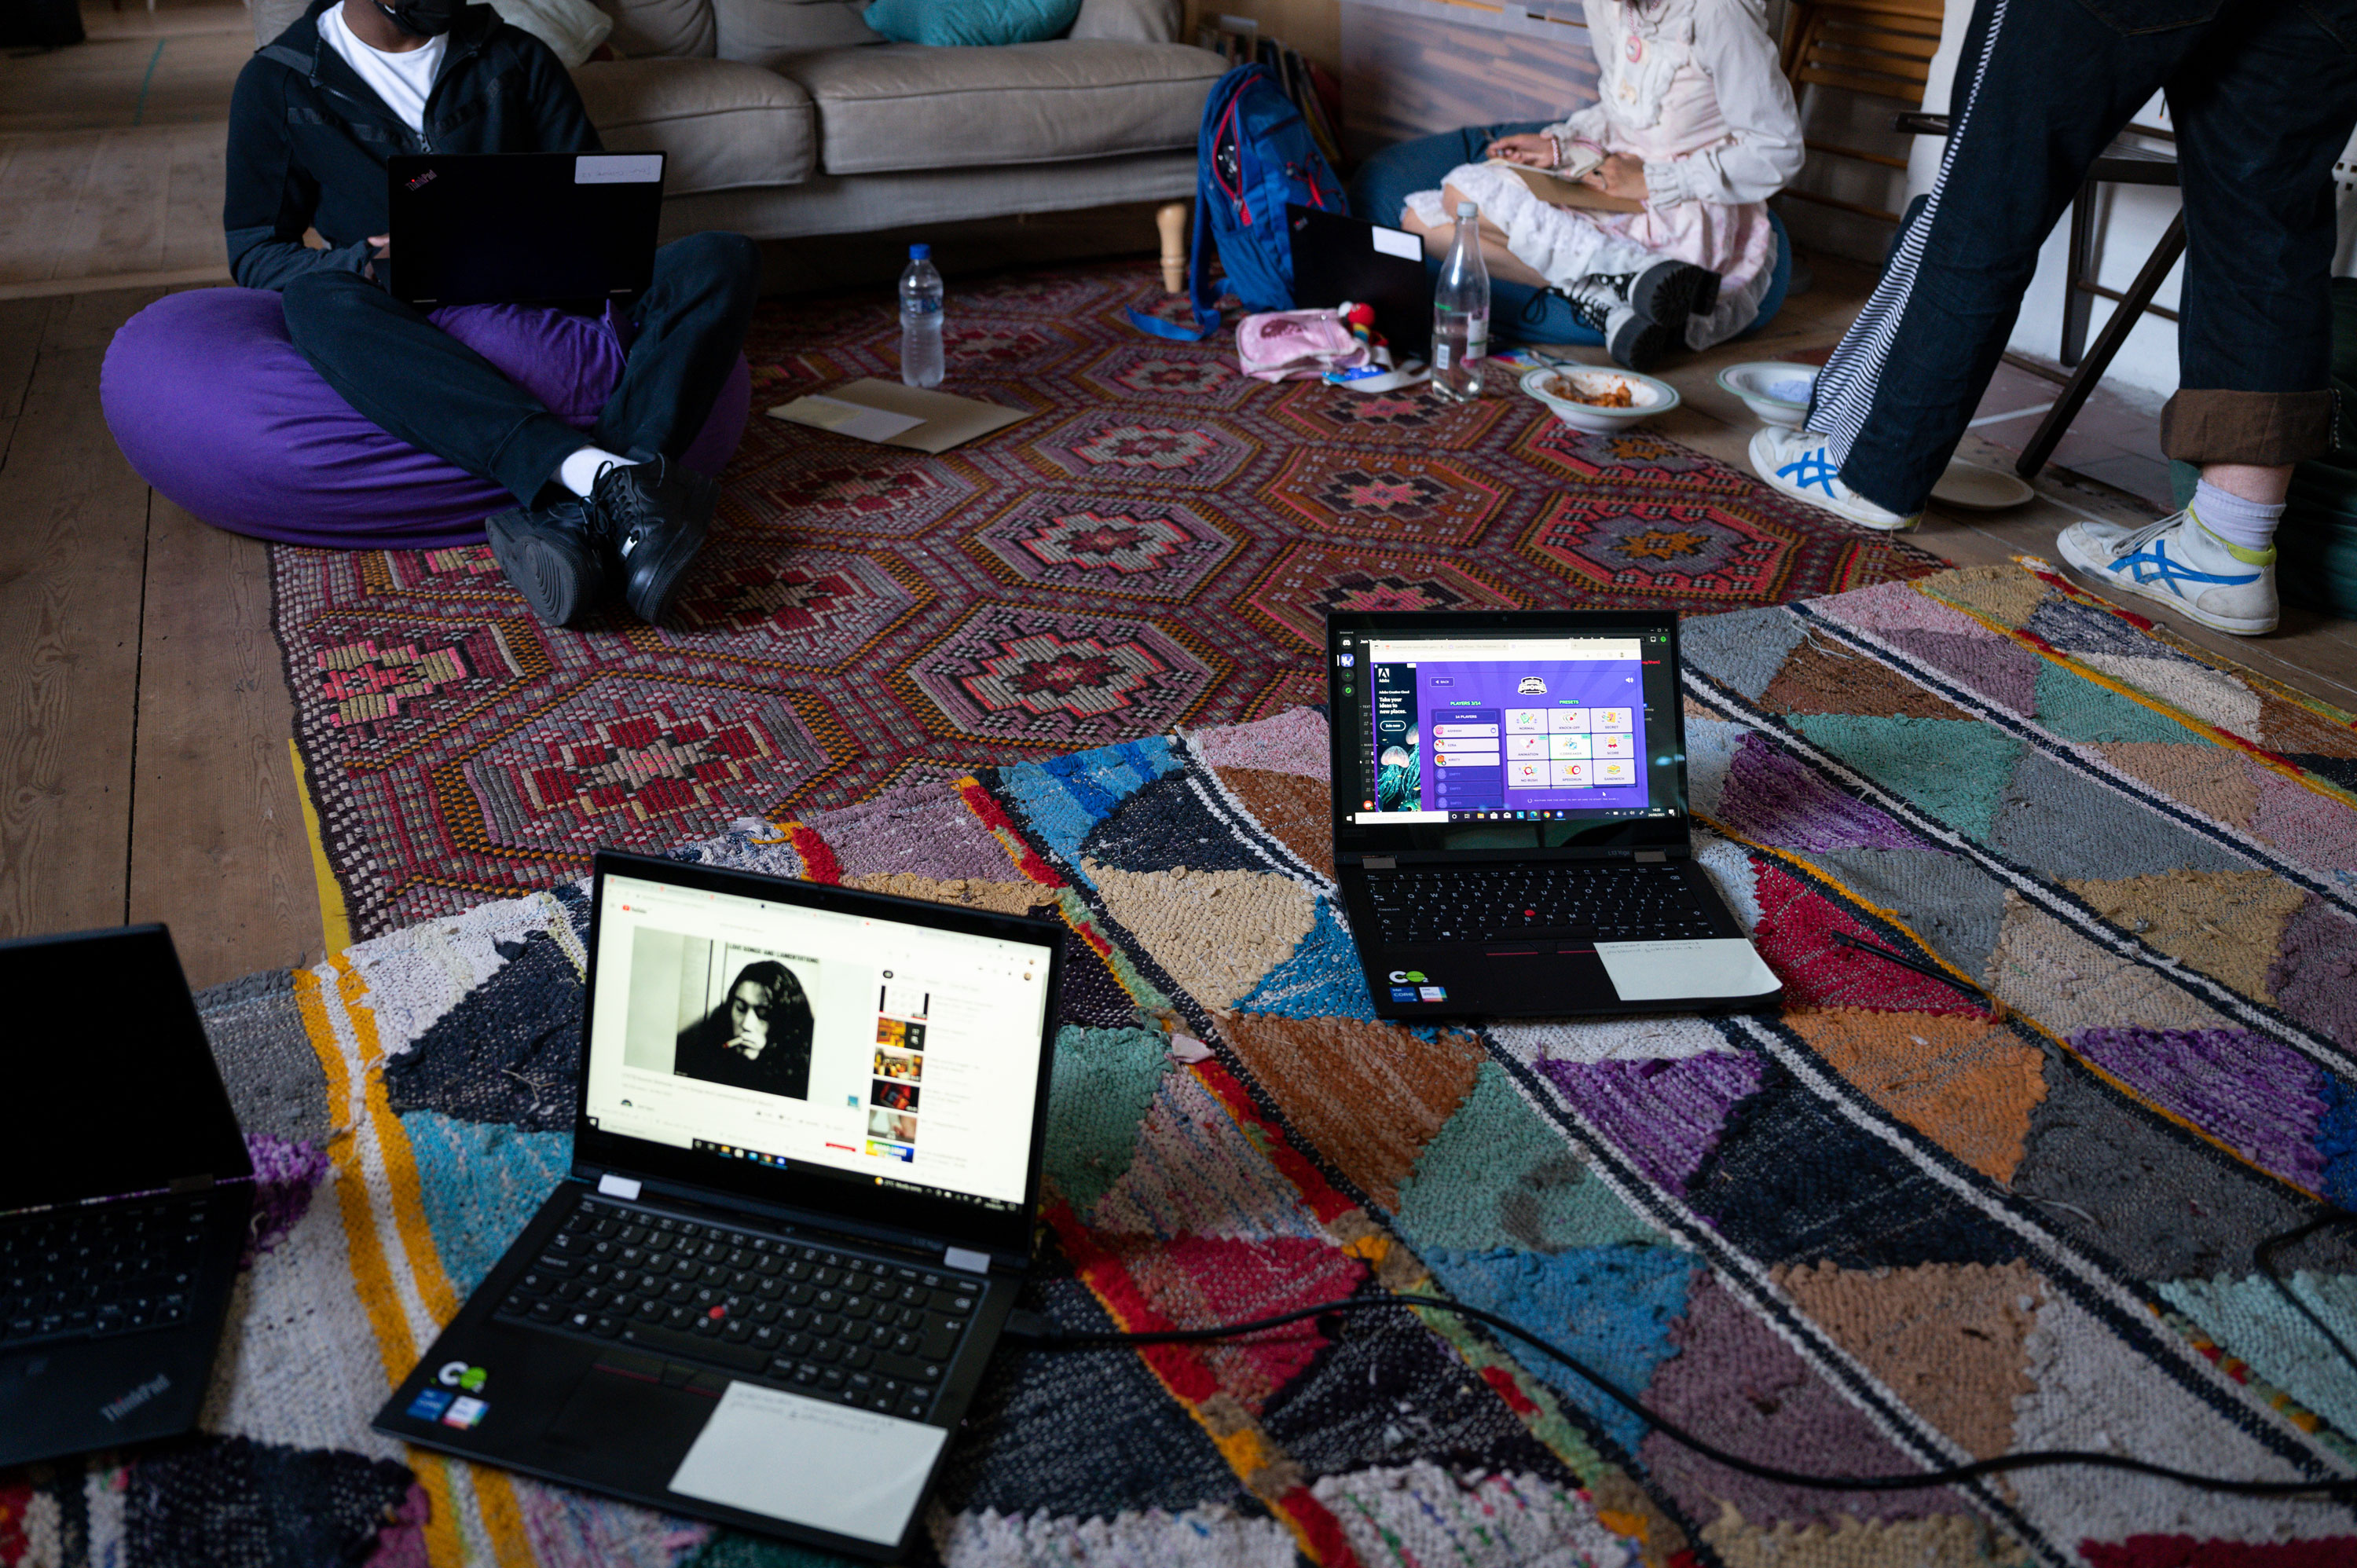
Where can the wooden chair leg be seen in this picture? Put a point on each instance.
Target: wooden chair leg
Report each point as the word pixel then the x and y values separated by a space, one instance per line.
pixel 2057 423
pixel 1171 220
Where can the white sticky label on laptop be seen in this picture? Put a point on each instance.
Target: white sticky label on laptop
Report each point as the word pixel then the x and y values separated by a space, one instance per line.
pixel 812 1463
pixel 1398 242
pixel 618 169
pixel 1712 967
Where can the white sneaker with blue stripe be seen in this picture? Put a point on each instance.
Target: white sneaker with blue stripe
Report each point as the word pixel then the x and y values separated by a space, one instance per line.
pixel 2182 565
pixel 1796 462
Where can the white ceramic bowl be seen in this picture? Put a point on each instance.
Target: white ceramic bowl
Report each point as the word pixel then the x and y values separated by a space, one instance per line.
pixel 1647 396
pixel 1774 389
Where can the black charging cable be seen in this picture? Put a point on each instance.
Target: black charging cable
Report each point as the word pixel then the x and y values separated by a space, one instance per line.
pixel 1031 1326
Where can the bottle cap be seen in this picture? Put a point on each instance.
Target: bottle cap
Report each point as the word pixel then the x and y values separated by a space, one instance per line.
pixel 920 253
pixel 1467 209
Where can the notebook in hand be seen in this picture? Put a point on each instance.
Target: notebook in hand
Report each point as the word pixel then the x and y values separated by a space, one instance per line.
pixel 806 1173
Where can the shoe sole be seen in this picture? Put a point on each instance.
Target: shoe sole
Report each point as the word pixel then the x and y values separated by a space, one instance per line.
pixel 1640 344
pixel 1681 291
pixel 1765 467
pixel 545 578
pixel 2114 583
pixel 650 599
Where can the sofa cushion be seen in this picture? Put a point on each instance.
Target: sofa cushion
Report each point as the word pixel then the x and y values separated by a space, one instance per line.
pixel 725 125
pixel 675 28
pixel 943 23
pixel 1138 21
pixel 760 31
pixel 903 106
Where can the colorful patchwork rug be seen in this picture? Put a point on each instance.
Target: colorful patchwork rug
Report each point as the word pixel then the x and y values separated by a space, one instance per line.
pixel 1156 544
pixel 2004 1200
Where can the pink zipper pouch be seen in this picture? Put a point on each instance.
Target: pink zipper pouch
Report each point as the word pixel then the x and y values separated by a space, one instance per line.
pixel 1295 345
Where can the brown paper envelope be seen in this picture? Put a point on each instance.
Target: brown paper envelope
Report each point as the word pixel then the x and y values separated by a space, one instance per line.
pixel 950 420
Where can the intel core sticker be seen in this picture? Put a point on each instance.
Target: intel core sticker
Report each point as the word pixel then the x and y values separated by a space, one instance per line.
pixel 1403 992
pixel 430 1403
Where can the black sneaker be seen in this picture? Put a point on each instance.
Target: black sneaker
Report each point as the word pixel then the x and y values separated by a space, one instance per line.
pixel 554 557
pixel 652 516
pixel 1669 292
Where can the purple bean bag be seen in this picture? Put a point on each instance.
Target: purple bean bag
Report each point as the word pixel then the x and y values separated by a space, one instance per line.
pixel 211 404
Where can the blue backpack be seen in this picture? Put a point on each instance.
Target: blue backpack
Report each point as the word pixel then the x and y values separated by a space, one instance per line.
pixel 1254 156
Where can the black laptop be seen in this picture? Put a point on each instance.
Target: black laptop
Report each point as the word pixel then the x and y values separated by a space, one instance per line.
pixel 805 1173
pixel 1510 832
pixel 522 227
pixel 124 1191
pixel 1336 257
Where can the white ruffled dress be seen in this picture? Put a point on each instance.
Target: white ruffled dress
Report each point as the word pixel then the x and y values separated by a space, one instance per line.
pixel 1693 87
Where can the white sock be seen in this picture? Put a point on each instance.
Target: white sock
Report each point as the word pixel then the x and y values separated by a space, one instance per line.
pixel 2234 519
pixel 578 473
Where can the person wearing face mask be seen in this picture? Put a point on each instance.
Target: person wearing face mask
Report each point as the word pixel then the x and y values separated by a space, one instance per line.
pixel 317 112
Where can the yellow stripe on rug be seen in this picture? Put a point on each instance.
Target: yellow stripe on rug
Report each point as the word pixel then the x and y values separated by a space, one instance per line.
pixel 473 1511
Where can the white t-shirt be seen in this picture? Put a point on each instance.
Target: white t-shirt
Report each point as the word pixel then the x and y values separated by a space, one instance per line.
pixel 402 79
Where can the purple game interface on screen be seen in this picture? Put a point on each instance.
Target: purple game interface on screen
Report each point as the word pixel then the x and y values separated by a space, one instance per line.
pixel 1535 735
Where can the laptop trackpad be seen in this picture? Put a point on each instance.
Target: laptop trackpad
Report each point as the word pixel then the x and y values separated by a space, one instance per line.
pixel 812 1463
pixel 614 1413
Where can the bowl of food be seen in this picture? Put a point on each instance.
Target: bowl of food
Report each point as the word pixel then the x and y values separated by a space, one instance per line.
pixel 1775 391
pixel 1598 400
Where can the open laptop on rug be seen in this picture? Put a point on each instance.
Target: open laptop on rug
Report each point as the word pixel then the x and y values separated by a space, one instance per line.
pixel 1510 832
pixel 125 1190
pixel 519 228
pixel 806 1164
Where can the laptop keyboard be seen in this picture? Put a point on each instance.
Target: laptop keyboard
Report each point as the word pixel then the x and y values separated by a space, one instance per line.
pixel 1488 904
pixel 101 1269
pixel 818 1320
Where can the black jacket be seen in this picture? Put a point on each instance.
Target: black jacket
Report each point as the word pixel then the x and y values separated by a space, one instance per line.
pixel 308 138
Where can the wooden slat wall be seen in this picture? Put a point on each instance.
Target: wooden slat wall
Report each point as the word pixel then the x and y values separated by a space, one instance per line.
pixel 1410 74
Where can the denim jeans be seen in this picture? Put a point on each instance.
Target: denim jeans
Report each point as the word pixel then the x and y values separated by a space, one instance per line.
pixel 420 383
pixel 2262 94
pixel 1518 313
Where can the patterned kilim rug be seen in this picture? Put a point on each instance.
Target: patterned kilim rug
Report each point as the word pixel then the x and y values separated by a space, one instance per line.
pixel 1157 544
pixel 1898 1226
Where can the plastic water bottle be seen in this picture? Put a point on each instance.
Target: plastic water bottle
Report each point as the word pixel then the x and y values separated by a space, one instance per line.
pixel 920 319
pixel 1460 312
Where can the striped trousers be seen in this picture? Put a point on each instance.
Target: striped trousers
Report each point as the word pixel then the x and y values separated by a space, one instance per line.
pixel 2262 94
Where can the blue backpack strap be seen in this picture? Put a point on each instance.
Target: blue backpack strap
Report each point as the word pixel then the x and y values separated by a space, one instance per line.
pixel 1198 291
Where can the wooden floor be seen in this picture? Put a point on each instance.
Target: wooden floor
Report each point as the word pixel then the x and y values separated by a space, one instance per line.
pixel 145 717
pixel 145 772
pixel 111 150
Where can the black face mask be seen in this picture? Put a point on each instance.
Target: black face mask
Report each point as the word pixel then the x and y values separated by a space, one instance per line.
pixel 422 18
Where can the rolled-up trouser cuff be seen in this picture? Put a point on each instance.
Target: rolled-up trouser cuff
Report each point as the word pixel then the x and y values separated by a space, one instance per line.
pixel 2263 429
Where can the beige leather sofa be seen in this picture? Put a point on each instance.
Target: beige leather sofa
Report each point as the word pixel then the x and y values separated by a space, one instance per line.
pixel 790 117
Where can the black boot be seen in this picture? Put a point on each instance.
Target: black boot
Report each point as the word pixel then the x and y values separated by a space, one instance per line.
pixel 1669 292
pixel 1600 302
pixel 555 557
pixel 652 516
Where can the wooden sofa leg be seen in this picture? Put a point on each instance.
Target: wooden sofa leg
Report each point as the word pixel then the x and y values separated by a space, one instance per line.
pixel 1171 220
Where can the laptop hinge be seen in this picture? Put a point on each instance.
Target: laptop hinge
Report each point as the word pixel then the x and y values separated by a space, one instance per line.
pixel 192 1182
pixel 966 1259
pixel 621 1187
pixel 1378 863
pixel 1651 856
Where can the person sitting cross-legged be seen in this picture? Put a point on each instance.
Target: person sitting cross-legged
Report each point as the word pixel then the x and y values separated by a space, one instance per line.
pixel 316 114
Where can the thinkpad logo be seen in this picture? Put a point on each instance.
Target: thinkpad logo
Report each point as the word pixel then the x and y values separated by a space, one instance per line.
pixel 135 1397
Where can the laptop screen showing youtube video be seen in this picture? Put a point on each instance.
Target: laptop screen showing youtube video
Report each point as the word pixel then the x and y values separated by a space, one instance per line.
pixel 872 1049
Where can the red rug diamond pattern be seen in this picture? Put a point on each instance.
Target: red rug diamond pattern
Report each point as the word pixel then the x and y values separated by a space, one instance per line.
pixel 1157 543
